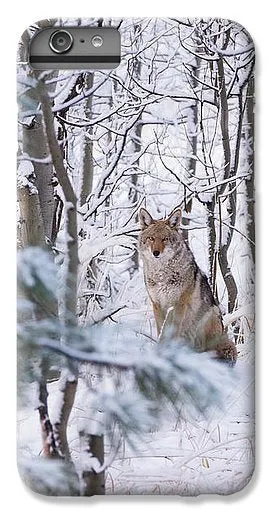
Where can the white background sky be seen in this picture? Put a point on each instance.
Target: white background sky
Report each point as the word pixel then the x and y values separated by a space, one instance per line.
pixel 258 19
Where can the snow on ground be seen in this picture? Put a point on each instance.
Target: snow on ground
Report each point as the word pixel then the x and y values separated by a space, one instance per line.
pixel 187 456
pixel 193 456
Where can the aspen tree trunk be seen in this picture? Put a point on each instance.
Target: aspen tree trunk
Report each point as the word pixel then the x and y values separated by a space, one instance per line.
pixel 31 229
pixel 35 145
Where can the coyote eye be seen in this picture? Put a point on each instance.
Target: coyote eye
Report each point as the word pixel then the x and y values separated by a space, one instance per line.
pixel 164 239
pixel 151 239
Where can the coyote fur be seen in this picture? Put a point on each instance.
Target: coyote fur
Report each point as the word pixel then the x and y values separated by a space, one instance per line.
pixel 182 300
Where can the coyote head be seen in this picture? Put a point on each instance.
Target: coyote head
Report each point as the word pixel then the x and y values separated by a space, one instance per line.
pixel 159 239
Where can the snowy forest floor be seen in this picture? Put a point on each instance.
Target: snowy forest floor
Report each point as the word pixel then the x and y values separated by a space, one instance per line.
pixel 187 456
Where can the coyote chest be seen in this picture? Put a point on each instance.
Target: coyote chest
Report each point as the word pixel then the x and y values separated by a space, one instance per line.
pixel 164 289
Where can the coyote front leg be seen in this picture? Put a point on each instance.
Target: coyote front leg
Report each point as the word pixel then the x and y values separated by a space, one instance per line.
pixel 159 317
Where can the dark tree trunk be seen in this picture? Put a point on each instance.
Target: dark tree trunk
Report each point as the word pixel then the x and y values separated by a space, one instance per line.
pixel 94 483
pixel 87 171
pixel 250 180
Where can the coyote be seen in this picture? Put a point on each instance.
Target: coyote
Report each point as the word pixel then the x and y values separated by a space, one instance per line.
pixel 182 300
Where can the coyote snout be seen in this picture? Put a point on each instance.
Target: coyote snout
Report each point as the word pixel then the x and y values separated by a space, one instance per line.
pixel 179 291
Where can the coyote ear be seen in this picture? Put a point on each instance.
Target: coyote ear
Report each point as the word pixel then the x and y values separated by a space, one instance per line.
pixel 175 218
pixel 145 218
